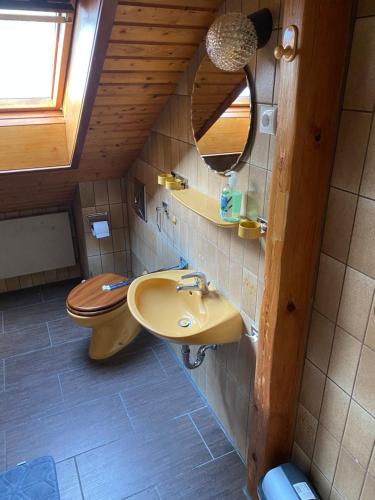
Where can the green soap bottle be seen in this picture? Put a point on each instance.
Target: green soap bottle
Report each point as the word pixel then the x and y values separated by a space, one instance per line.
pixel 230 200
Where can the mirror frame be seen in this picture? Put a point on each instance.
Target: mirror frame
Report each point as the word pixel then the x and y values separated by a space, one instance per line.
pixel 252 129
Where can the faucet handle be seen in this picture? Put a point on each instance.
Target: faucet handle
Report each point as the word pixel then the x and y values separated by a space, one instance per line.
pixel 195 274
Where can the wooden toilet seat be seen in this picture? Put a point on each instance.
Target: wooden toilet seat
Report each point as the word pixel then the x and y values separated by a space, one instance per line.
pixel 89 299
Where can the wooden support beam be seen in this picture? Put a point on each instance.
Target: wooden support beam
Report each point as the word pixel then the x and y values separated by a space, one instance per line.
pixel 309 107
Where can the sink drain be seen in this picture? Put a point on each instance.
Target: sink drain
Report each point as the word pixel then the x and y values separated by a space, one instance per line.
pixel 184 322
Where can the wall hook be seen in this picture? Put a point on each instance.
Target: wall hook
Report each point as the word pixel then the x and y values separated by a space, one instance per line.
pixel 288 49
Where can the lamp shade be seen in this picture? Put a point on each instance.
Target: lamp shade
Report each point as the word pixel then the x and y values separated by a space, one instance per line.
pixel 231 41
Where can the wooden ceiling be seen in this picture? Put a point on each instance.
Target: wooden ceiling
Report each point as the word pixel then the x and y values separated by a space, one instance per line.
pixel 150 45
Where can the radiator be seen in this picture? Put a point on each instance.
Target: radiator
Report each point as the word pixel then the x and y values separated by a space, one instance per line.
pixel 35 244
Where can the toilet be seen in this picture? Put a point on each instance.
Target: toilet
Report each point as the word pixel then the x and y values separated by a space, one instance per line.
pixel 105 312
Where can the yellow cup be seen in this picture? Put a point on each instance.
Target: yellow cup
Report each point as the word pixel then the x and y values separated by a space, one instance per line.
pixel 173 184
pixel 249 229
pixel 162 178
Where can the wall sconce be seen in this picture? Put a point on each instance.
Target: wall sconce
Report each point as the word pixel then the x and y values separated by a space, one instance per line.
pixel 234 37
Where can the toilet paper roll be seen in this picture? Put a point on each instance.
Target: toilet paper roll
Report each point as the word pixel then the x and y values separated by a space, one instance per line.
pixel 100 229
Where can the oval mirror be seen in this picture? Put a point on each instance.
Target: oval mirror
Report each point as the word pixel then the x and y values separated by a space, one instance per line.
pixel 222 115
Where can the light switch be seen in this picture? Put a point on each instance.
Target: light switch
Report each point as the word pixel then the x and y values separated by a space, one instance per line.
pixel 268 119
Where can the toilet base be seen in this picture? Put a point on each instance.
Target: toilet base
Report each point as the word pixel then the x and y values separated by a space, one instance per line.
pixel 111 331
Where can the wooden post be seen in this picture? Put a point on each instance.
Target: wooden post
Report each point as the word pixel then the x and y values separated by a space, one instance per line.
pixel 309 108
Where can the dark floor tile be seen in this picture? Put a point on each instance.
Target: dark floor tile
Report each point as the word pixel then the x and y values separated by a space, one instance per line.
pixel 139 461
pixel 128 369
pixel 65 330
pixel 1 323
pixel 2 452
pixel 18 318
pixel 167 359
pixel 152 404
pixel 67 477
pixel 211 432
pixel 29 400
pixel 49 361
pixel 25 297
pixel 20 342
pixel 69 432
pixel 145 339
pixel 2 376
pixel 59 289
pixel 219 478
pixel 149 494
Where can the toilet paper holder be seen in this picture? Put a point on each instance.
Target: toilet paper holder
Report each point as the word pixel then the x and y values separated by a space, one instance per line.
pixel 98 217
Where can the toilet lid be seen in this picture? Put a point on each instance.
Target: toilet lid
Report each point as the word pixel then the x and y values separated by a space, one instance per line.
pixel 88 297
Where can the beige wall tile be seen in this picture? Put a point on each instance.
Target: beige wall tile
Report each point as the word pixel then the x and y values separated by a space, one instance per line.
pixel 368 181
pixel 351 150
pixel 300 459
pixel 120 262
pixel 92 245
pixel 334 409
pixel 339 224
pixel 368 492
pixel 355 302
pixel 114 191
pixel 312 388
pixel 235 282
pixel 335 495
pixel 371 467
pixel 329 285
pixel 360 87
pixel 106 245
pixel 95 265
pixel 305 433
pixel 370 332
pixel 108 263
pixel 359 434
pixel 252 255
pixel 364 392
pixel 119 240
pixel 349 476
pixel 249 292
pixel 101 193
pixel 320 482
pixel 265 71
pixel 257 190
pixel 344 360
pixel 362 249
pixel 326 452
pixel 117 220
pixel 259 153
pixel 320 341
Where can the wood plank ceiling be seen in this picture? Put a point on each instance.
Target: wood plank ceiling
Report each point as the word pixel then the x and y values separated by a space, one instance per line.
pixel 151 44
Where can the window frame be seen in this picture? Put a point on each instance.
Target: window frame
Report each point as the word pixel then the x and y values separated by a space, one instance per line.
pixel 61 59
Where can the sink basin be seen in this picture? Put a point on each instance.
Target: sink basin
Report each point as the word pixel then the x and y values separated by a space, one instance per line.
pixel 185 317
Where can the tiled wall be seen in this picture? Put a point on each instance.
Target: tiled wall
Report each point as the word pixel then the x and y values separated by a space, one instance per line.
pixel 335 430
pixel 235 266
pixel 29 280
pixel 104 255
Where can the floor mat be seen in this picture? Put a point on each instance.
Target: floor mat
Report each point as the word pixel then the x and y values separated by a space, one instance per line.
pixel 34 480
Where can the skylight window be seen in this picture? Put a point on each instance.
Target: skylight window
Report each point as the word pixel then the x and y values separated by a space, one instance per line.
pixel 33 55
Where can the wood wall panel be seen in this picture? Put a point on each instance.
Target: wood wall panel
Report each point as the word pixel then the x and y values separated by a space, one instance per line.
pixel 150 46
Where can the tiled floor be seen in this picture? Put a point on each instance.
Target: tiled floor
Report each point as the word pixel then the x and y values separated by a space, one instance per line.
pixel 130 427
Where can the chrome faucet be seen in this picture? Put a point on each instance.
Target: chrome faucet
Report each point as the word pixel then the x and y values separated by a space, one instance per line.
pixel 200 285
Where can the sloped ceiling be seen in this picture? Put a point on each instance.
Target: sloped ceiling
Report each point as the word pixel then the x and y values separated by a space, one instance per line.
pixel 150 46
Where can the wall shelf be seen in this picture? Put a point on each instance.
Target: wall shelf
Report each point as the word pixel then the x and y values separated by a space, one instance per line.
pixel 202 205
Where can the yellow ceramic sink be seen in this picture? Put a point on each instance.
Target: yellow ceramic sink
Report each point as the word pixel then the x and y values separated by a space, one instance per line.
pixel 185 317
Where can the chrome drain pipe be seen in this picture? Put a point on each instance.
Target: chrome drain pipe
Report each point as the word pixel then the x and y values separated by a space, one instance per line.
pixel 185 351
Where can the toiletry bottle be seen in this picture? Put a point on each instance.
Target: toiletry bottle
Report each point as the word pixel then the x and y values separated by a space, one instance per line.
pixel 230 200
